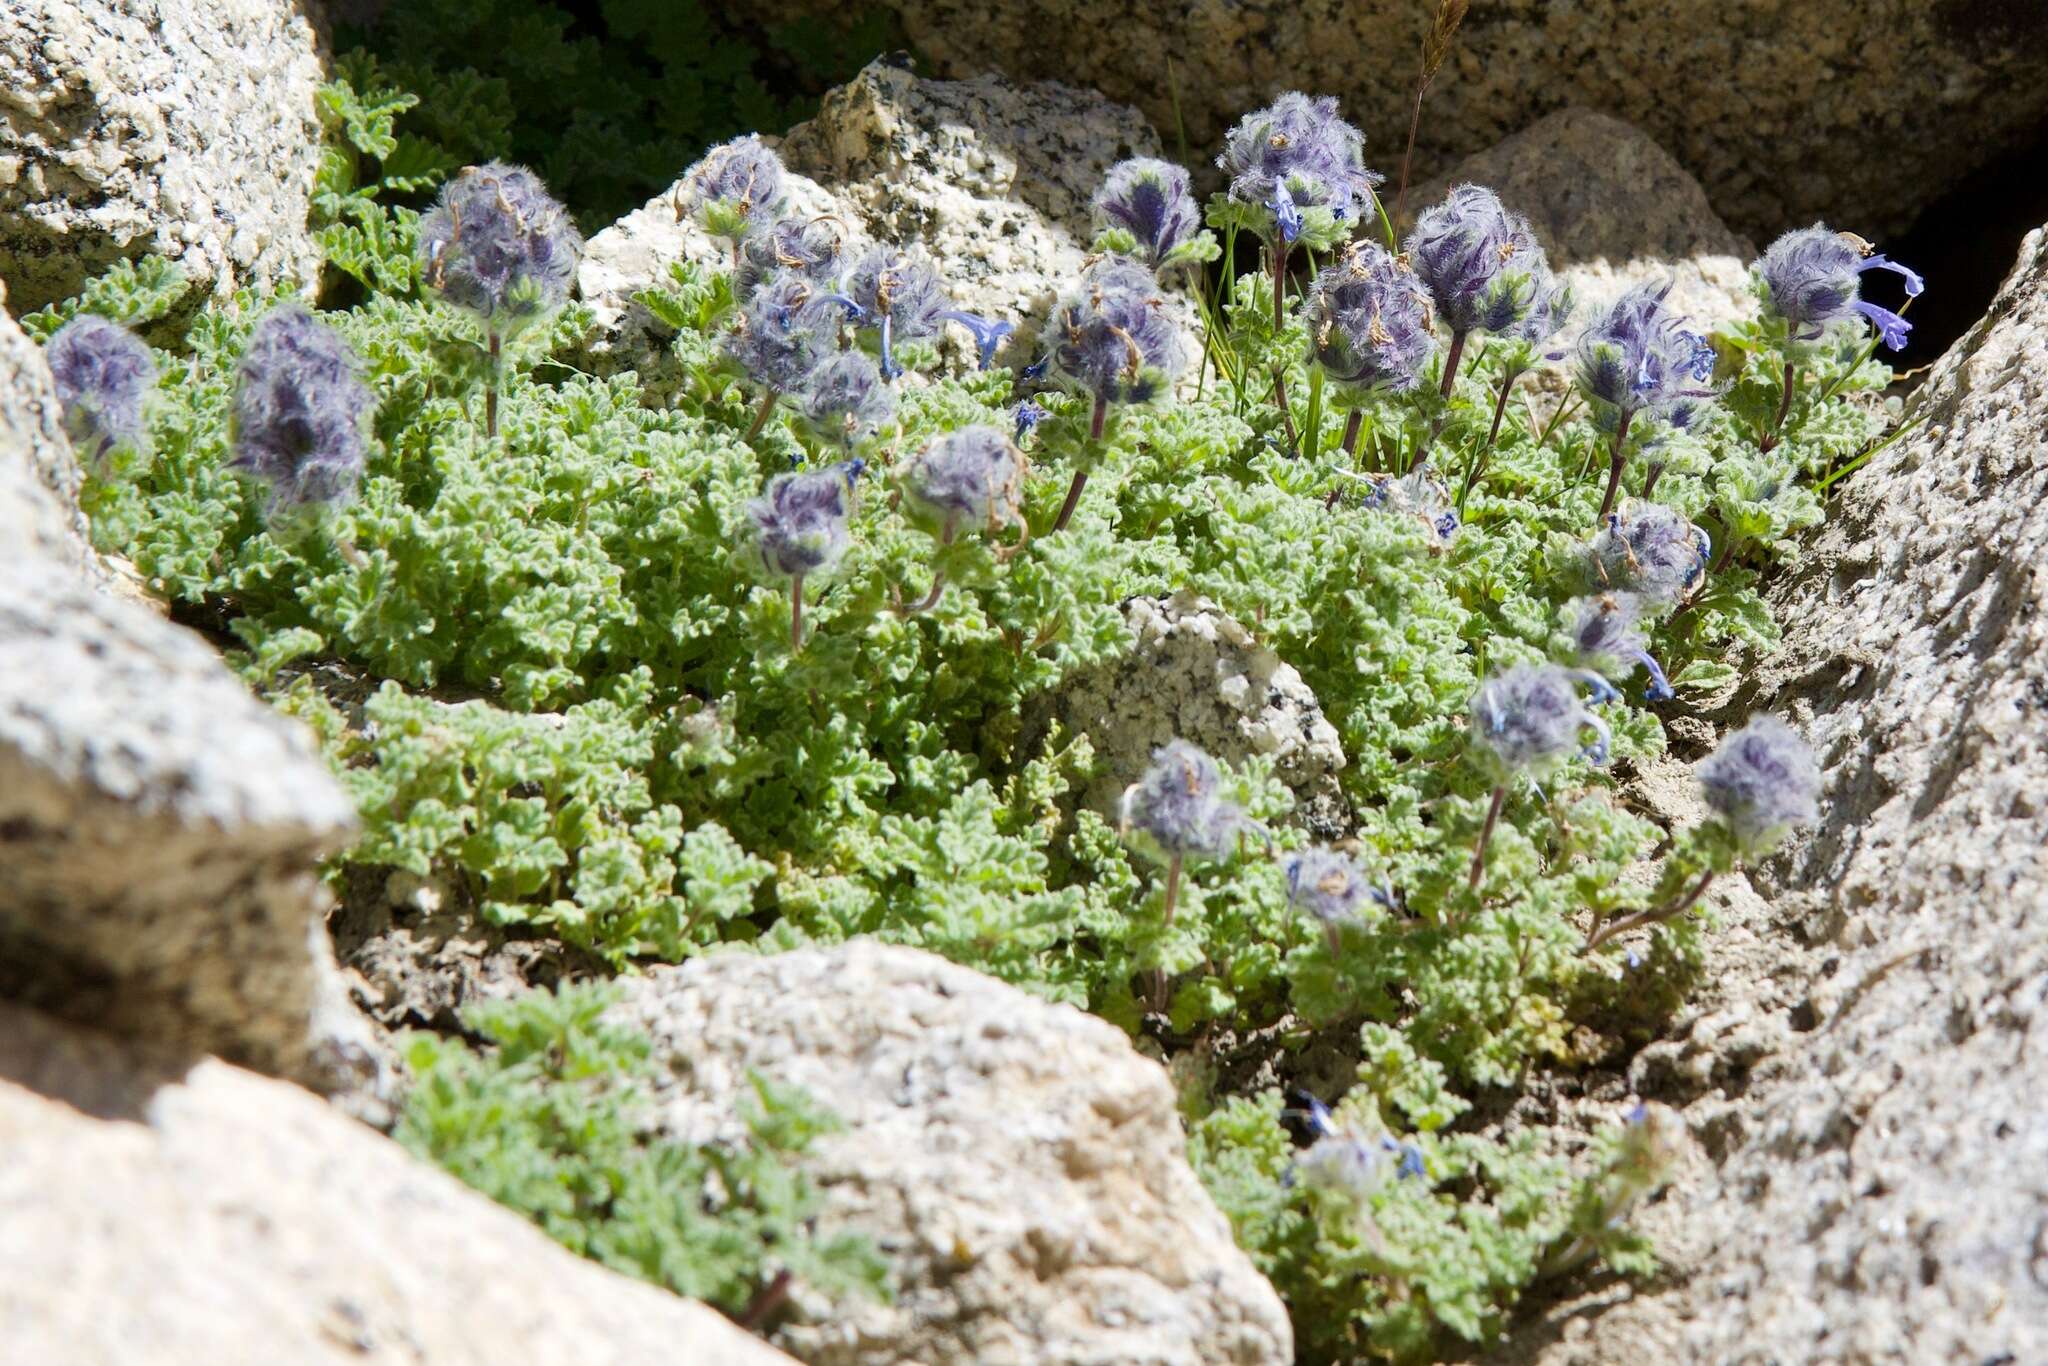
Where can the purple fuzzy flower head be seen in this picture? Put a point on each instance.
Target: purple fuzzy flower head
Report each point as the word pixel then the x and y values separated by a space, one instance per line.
pixel 103 373
pixel 736 190
pixel 801 520
pixel 1763 782
pixel 1637 360
pixel 498 246
pixel 299 413
pixel 1529 720
pixel 1606 637
pixel 1331 887
pixel 1421 495
pixel 788 326
pixel 900 295
pixel 1369 323
pixel 972 477
pixel 1652 551
pixel 1150 199
pixel 845 400
pixel 1301 166
pixel 1179 804
pixel 1344 1167
pixel 1111 336
pixel 1482 265
pixel 811 249
pixel 1813 276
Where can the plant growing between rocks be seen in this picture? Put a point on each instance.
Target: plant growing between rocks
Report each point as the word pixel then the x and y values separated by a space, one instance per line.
pixel 594 678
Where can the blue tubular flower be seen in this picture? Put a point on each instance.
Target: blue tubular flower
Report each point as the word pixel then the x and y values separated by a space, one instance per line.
pixel 735 189
pixel 497 245
pixel 973 476
pixel 845 400
pixel 901 295
pixel 987 335
pixel 1651 551
pixel 1179 806
pixel 1606 636
pixel 1111 336
pixel 1638 359
pixel 103 373
pixel 809 248
pixel 786 329
pixel 1029 414
pixel 1369 324
pixel 1812 277
pixel 1150 200
pixel 1300 163
pixel 1481 264
pixel 1763 783
pixel 299 412
pixel 1528 720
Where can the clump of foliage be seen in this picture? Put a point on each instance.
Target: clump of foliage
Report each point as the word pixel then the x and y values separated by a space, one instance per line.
pixel 552 1118
pixel 643 676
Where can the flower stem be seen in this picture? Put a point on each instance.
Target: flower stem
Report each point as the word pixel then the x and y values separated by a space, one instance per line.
pixel 1095 426
pixel 1279 253
pixel 1451 359
pixel 491 389
pixel 1770 440
pixel 1484 455
pixel 1172 886
pixel 1436 425
pixel 1651 474
pixel 765 1302
pixel 1286 413
pixel 796 613
pixel 761 414
pixel 1650 915
pixel 1500 796
pixel 1352 426
pixel 1615 460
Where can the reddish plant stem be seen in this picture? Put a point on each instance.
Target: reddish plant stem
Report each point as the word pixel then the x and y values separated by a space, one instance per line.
pixel 1172 885
pixel 1286 413
pixel 1770 440
pixel 1500 796
pixel 1653 915
pixel 1615 459
pixel 761 414
pixel 1096 423
pixel 1352 426
pixel 491 390
pixel 765 1302
pixel 1651 474
pixel 1279 253
pixel 796 613
pixel 1485 454
pixel 1451 359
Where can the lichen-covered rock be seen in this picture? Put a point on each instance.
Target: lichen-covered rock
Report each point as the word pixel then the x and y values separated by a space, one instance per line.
pixel 185 128
pixel 1021 1166
pixel 991 180
pixel 1880 1141
pixel 1612 210
pixel 1195 674
pixel 1862 111
pixel 159 826
pixel 195 1214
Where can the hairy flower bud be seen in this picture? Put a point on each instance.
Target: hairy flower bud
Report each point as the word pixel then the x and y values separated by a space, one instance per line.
pixel 736 189
pixel 299 412
pixel 1529 719
pixel 1344 1165
pixel 1301 164
pixel 1638 360
pixel 811 249
pixel 1607 637
pixel 974 476
pixel 1369 323
pixel 801 520
pixel 1180 806
pixel 1652 551
pixel 1150 199
pixel 1763 782
pixel 1331 887
pixel 846 400
pixel 789 325
pixel 498 246
pixel 900 294
pixel 103 373
pixel 1482 265
pixel 1812 277
pixel 1111 336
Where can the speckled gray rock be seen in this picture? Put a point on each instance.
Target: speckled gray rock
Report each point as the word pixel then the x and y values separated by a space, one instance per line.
pixel 1858 110
pixel 1613 210
pixel 183 128
pixel 159 826
pixel 1195 674
pixel 1021 1166
pixel 198 1215
pixel 1878 1194
pixel 991 180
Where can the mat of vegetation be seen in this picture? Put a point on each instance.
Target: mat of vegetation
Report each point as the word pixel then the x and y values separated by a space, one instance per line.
pixel 745 671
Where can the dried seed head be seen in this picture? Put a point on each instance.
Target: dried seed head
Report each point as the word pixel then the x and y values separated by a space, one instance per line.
pixel 789 326
pixel 1763 782
pixel 498 246
pixel 812 249
pixel 299 413
pixel 103 373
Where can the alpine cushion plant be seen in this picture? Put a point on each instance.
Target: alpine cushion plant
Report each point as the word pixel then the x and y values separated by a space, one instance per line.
pixel 652 676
